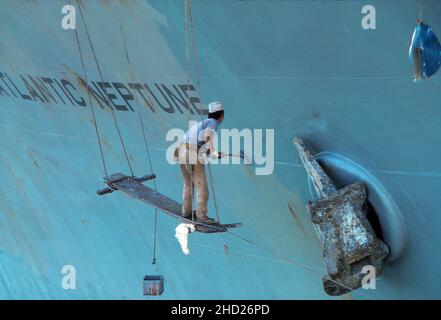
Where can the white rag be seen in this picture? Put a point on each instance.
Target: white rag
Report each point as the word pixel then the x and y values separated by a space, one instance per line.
pixel 182 232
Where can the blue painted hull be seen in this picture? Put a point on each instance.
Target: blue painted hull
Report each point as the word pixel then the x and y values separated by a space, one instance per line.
pixel 304 68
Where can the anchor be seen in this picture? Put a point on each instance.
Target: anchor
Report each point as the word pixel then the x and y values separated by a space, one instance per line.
pixel 340 220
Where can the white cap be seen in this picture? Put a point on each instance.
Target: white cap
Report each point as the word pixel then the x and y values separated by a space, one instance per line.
pixel 215 106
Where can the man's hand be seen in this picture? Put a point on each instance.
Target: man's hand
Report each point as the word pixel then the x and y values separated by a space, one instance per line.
pixel 217 155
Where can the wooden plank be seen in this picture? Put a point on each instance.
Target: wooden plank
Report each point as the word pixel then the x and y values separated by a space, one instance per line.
pixel 137 190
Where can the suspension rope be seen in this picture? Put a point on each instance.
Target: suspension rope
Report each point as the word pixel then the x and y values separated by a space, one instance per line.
pixel 214 194
pixel 198 86
pixel 147 148
pixel 420 4
pixel 91 106
pixel 102 79
pixel 187 4
pixel 154 185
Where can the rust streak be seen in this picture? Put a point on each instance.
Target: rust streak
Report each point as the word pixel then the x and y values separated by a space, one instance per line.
pixel 296 218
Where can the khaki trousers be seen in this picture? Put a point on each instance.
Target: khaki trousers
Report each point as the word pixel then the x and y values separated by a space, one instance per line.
pixel 193 170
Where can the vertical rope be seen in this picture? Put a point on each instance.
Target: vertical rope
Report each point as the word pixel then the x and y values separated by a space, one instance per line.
pixel 91 104
pixel 187 59
pixel 155 233
pixel 102 79
pixel 198 85
pixel 154 185
pixel 421 9
pixel 214 194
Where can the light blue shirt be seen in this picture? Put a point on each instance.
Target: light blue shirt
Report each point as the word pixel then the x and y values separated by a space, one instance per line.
pixel 195 135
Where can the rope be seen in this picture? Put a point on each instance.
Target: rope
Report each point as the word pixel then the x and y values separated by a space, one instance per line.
pixel 198 85
pixel 214 194
pixel 280 258
pixel 187 73
pixel 289 260
pixel 420 3
pixel 102 79
pixel 91 106
pixel 154 185
pixel 146 147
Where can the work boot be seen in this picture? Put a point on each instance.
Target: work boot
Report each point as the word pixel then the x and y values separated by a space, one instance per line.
pixel 190 216
pixel 205 219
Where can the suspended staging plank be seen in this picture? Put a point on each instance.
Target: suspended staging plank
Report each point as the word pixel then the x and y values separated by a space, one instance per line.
pixel 135 189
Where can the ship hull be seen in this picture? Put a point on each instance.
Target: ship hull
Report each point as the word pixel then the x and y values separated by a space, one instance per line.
pixel 302 68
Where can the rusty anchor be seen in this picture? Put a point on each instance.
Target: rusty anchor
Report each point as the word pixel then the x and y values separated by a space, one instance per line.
pixel 340 221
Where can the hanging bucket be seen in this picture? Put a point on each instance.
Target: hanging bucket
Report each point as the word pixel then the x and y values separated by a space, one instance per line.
pixel 153 285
